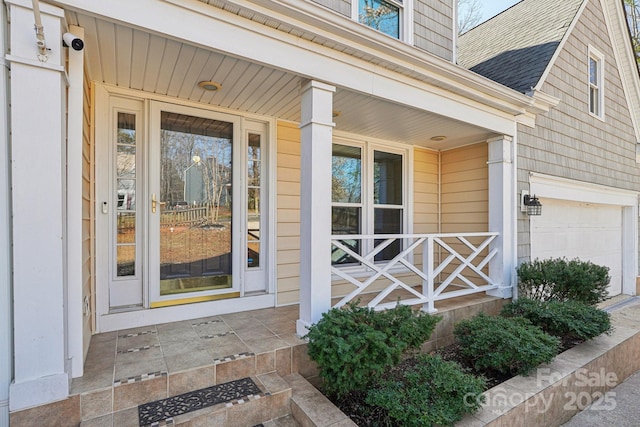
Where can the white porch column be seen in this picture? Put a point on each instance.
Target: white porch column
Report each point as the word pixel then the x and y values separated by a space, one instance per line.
pixel 37 172
pixel 502 212
pixel 316 129
pixel 75 118
pixel 6 324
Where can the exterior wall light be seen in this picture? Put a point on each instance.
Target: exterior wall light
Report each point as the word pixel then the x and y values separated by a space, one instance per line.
pixel 530 204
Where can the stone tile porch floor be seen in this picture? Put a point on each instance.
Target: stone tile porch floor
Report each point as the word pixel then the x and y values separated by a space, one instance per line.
pixel 192 354
pixel 182 356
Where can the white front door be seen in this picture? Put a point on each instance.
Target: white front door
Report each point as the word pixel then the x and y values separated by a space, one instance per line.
pixel 182 200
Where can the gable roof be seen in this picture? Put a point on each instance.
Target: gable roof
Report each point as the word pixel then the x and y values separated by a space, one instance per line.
pixel 515 47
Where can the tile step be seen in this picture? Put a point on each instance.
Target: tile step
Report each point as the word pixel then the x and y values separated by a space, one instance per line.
pixel 230 393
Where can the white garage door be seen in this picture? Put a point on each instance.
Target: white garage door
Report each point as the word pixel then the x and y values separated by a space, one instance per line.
pixel 589 232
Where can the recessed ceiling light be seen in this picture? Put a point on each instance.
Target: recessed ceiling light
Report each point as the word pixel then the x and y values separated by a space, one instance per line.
pixel 210 85
pixel 438 138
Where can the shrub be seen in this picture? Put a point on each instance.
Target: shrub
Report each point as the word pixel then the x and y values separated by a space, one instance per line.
pixel 430 391
pixel 507 345
pixel 353 346
pixel 568 320
pixel 561 280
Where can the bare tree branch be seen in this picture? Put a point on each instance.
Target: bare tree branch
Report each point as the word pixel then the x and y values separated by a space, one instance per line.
pixel 632 8
pixel 469 14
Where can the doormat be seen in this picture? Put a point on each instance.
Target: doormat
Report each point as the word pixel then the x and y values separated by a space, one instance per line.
pixel 160 410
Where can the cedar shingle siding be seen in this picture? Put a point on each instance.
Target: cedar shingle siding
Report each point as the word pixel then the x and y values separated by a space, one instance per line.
pixel 433 25
pixel 515 48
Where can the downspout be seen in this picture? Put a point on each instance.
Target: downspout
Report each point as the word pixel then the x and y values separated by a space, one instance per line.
pixel 6 311
pixel 515 205
pixel 42 44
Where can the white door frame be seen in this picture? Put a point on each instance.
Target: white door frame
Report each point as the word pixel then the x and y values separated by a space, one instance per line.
pixel 153 185
pixel 548 186
pixel 107 320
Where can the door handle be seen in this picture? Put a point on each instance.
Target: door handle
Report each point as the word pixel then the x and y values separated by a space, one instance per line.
pixel 153 203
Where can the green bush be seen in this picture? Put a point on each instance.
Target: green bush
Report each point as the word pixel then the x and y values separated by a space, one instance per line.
pixel 560 280
pixel 568 320
pixel 429 392
pixel 353 346
pixel 507 345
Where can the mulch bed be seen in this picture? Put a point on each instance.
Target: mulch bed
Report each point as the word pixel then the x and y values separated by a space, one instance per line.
pixel 355 407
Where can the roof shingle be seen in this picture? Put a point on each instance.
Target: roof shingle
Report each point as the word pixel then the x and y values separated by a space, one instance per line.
pixel 514 47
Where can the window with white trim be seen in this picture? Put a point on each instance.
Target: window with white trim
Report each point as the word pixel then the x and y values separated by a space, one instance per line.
pixel 392 17
pixel 596 83
pixel 369 196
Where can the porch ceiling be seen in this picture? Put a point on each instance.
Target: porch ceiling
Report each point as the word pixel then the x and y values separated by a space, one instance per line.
pixel 131 58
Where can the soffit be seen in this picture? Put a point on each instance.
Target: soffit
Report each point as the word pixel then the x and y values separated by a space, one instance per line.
pixel 127 57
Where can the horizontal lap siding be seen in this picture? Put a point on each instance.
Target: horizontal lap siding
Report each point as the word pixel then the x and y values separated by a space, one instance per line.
pixel 464 199
pixel 425 218
pixel 288 213
pixel 465 189
pixel 425 205
pixel 567 141
pixel 425 191
pixel 88 216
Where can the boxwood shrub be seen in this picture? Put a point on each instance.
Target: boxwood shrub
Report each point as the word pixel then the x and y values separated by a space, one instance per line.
pixel 557 279
pixel 568 320
pixel 507 345
pixel 354 346
pixel 428 392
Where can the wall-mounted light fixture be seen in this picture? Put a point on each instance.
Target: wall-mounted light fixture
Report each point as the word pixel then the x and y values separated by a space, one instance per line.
pixel 530 204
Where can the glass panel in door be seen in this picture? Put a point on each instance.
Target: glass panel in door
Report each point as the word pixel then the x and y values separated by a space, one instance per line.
pixel 253 200
pixel 126 180
pixel 195 204
pixel 120 212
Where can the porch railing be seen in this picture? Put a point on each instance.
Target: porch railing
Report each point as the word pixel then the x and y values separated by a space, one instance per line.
pixel 412 268
pixel 189 216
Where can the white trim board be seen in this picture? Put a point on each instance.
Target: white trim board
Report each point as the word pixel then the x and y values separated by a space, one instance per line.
pixel 177 313
pixel 554 187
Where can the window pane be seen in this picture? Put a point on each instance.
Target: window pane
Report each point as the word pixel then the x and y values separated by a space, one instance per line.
pixel 346 166
pixel 387 178
pixel 593 100
pixel 126 260
pixel 253 254
pixel 381 15
pixel 126 128
pixel 195 167
pixel 593 71
pixel 388 221
pixel 126 161
pixel 345 220
pixel 126 194
pixel 126 227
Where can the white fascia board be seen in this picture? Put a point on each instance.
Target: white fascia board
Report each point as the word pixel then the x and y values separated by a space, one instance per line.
pixel 553 187
pixel 615 17
pixel 217 29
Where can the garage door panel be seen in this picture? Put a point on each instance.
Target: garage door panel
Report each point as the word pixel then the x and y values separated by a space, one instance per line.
pixel 577 230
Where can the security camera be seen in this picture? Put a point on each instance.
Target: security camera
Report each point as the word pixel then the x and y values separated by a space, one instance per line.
pixel 69 39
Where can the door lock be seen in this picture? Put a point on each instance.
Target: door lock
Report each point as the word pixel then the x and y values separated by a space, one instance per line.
pixel 153 203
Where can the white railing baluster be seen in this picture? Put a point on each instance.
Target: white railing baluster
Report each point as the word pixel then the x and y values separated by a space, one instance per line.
pixel 428 261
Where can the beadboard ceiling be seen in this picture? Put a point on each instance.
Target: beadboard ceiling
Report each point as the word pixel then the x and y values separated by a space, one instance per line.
pixel 131 58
